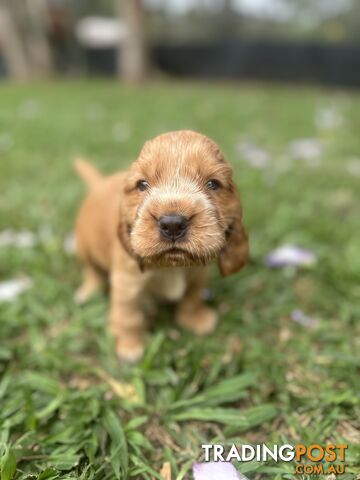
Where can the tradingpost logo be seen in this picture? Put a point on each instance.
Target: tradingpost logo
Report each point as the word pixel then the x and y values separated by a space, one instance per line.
pixel 308 459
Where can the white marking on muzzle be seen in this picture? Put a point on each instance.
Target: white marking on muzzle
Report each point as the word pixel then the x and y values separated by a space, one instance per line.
pixel 177 190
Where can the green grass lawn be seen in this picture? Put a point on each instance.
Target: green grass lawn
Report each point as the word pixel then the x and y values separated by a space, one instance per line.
pixel 68 408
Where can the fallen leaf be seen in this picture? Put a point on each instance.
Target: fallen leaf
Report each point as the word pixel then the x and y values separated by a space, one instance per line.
pixel 165 471
pixel 122 390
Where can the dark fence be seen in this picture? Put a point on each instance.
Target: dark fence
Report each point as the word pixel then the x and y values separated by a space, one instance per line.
pixel 332 64
pixel 238 59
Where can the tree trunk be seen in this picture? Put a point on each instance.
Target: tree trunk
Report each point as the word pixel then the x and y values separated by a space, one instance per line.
pixel 11 46
pixel 23 38
pixel 38 44
pixel 133 62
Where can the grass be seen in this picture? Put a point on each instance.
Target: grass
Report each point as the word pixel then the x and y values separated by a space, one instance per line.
pixel 68 408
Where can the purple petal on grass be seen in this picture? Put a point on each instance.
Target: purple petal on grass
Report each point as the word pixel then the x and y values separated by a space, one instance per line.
pixel 10 289
pixel 216 471
pixel 290 255
pixel 300 317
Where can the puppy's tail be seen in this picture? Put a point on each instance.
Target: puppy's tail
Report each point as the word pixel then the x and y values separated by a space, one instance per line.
pixel 88 173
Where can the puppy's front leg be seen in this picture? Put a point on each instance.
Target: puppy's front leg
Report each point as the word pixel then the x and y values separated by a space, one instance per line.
pixel 127 321
pixel 192 313
pixel 92 281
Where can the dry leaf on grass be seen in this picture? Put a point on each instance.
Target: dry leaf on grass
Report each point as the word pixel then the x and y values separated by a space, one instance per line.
pixel 165 471
pixel 122 390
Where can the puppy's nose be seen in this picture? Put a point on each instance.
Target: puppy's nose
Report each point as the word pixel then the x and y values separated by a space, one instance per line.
pixel 173 227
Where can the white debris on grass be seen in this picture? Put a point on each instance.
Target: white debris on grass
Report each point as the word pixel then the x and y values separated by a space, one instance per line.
pixel 307 149
pixel 95 112
pixel 332 476
pixel 11 289
pixel 254 155
pixel 6 142
pixel 329 118
pixel 121 132
pixel 29 239
pixel 29 109
pixel 45 234
pixel 69 243
pixel 353 166
pixel 20 239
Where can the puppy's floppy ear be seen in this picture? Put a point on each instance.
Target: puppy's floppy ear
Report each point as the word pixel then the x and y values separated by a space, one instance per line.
pixel 124 222
pixel 123 228
pixel 235 254
pixel 123 231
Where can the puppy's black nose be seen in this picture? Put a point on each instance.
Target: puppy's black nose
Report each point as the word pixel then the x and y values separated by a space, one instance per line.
pixel 173 227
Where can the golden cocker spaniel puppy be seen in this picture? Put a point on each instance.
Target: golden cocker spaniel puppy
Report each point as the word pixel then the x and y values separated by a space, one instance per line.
pixel 154 228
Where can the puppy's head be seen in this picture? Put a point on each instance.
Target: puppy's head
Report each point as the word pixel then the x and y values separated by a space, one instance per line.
pixel 180 206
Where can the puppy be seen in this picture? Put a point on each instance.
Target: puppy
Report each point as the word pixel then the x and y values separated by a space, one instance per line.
pixel 155 228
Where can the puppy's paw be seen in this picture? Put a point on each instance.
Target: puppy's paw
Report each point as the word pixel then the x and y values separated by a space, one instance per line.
pixel 202 321
pixel 82 295
pixel 130 349
pixel 92 282
pixel 85 292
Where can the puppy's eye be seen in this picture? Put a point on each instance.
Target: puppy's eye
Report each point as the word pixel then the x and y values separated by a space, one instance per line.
pixel 142 185
pixel 213 185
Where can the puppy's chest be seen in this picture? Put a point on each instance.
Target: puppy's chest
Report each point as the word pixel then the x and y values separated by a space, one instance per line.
pixel 168 284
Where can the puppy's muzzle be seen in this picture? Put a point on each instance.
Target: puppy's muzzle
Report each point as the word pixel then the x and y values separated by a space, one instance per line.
pixel 173 227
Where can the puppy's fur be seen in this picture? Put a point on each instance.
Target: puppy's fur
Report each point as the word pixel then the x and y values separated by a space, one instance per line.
pixel 117 233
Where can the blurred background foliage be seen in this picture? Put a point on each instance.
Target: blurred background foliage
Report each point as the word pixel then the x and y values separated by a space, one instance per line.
pixel 41 37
